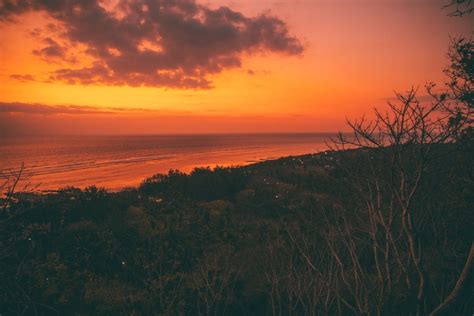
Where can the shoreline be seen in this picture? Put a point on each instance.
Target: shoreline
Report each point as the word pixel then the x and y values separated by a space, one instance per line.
pixel 210 167
pixel 104 162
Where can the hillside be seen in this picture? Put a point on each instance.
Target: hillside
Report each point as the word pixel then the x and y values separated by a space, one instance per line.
pixel 268 238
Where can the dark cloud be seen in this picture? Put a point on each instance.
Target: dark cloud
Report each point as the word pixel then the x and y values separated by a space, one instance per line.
pixel 155 42
pixel 47 109
pixel 37 108
pixel 53 52
pixel 22 78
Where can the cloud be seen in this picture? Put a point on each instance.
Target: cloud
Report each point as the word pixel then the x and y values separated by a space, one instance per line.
pixel 37 108
pixel 53 52
pixel 74 120
pixel 159 43
pixel 22 78
pixel 47 109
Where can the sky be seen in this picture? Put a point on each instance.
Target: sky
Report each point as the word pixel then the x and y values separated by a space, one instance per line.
pixel 213 66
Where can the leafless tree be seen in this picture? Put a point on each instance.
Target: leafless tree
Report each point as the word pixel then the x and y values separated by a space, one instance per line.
pixel 13 183
pixel 398 149
pixel 460 7
pixel 291 272
pixel 214 279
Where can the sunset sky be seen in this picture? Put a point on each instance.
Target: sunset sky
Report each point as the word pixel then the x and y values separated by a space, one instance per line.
pixel 156 66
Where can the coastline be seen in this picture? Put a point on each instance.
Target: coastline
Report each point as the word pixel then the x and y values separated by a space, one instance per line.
pixel 119 162
pixel 250 165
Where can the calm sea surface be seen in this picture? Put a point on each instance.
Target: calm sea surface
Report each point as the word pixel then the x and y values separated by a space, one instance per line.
pixel 115 162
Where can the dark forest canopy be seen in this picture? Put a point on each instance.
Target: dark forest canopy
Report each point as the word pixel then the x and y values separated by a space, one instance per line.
pixel 251 240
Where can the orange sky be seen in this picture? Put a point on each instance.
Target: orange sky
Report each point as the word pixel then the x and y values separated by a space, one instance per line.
pixel 339 59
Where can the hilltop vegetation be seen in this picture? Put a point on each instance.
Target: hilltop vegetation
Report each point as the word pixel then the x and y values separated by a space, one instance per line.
pixel 258 239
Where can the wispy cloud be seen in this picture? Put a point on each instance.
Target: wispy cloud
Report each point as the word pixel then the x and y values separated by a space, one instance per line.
pixel 22 78
pixel 46 109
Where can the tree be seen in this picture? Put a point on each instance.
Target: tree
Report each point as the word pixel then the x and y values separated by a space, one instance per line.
pixel 460 7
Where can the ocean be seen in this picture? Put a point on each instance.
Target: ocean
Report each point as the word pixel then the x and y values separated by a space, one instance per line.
pixel 116 162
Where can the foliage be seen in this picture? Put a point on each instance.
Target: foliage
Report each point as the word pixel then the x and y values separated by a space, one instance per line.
pixel 240 242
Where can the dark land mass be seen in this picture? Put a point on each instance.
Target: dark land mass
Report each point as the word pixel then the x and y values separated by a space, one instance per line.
pixel 288 236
